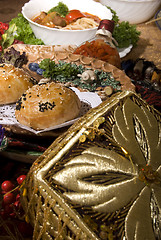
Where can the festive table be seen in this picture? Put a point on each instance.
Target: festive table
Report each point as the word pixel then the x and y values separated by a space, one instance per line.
pixel 148 48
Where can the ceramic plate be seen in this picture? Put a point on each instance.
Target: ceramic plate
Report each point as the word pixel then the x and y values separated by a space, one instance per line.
pixel 124 51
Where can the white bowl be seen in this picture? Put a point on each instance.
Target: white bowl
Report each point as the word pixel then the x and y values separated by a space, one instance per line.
pixel 52 36
pixel 133 11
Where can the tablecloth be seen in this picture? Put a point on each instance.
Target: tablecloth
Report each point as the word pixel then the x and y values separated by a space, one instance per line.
pixel 149 44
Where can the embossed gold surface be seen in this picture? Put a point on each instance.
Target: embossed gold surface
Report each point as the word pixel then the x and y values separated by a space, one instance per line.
pixel 106 185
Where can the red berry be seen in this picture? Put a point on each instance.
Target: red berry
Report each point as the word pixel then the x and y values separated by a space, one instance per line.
pixel 20 179
pixel 17 205
pixel 18 197
pixel 18 42
pixel 4 26
pixel 2 31
pixel 7 186
pixel 9 198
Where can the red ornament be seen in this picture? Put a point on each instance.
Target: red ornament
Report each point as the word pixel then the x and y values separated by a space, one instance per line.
pixel 7 186
pixel 20 179
pixel 9 198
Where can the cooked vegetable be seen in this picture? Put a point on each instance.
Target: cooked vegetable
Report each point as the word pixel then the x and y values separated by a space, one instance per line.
pixel 55 20
pixel 74 15
pixel 61 8
pixel 24 32
pixel 99 49
pixel 51 19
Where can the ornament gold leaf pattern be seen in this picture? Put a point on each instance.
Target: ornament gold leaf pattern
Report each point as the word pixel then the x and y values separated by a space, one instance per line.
pixel 137 131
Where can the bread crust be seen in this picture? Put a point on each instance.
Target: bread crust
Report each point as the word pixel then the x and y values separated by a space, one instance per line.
pixel 13 81
pixel 47 105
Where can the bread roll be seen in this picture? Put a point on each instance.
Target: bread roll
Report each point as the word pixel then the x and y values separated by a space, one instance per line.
pixel 13 81
pixel 47 105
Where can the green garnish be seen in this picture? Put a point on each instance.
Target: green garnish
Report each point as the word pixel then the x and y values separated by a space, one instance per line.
pixel 115 18
pixel 68 73
pixel 24 32
pixel 52 69
pixel 61 8
pixel 124 33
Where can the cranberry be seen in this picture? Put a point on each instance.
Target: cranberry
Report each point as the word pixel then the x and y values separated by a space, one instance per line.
pixel 20 179
pixel 2 31
pixel 18 42
pixel 7 186
pixel 16 205
pixel 9 198
pixel 4 26
pixel 18 197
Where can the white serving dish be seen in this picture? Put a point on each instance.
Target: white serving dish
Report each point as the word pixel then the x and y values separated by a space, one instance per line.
pixel 133 11
pixel 52 36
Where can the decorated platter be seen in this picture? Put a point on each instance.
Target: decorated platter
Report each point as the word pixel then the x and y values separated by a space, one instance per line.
pixel 36 53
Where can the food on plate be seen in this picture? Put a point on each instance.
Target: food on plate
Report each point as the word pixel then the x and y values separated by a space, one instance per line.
pixel 73 75
pixel 103 45
pixel 81 24
pixel 99 49
pixel 61 17
pixel 124 33
pixel 14 81
pixel 47 105
pixel 50 20
pixel 62 66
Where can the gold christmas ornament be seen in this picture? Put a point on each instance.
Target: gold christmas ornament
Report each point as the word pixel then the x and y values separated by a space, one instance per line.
pixel 102 178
